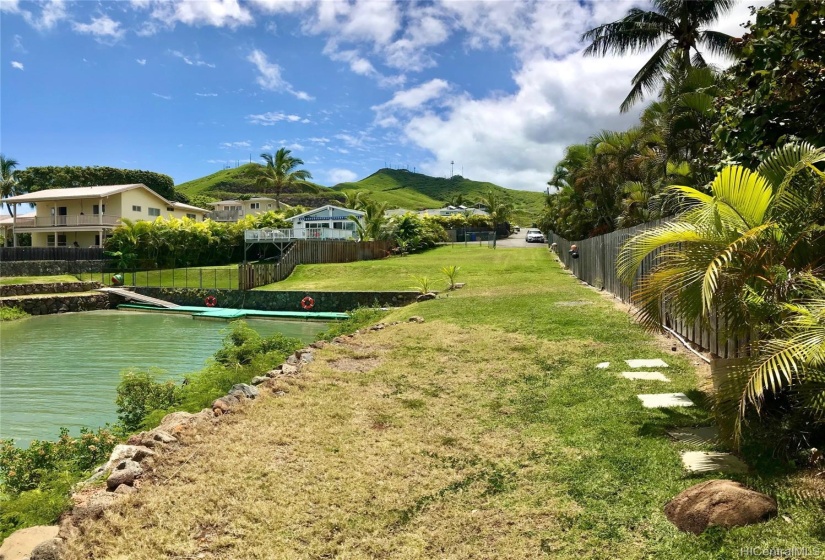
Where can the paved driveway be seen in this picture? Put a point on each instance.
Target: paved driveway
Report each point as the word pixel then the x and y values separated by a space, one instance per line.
pixel 518 240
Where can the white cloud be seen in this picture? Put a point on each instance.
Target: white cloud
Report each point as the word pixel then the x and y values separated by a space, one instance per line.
pixel 166 97
pixel 191 61
pixel 407 101
pixel 271 118
pixel 241 144
pixel 141 61
pixel 104 29
pixel 318 140
pixel 206 94
pixel 338 175
pixel 217 13
pixel 269 77
pixel 17 44
pixel 18 65
pixel 52 12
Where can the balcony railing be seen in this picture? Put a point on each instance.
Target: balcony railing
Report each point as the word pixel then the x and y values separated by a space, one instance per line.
pixel 226 215
pixel 252 235
pixel 68 221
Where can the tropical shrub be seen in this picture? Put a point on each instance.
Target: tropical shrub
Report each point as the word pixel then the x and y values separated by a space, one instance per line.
pixel 139 393
pixel 12 313
pixel 51 177
pixel 451 272
pixel 414 233
pixel 748 252
pixel 24 469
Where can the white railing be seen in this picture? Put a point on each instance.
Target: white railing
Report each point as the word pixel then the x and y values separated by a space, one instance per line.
pixel 70 221
pixel 226 215
pixel 251 235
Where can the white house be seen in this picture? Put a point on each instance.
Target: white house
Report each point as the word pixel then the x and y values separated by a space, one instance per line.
pixel 312 224
pixel 85 216
pixel 453 210
pixel 234 210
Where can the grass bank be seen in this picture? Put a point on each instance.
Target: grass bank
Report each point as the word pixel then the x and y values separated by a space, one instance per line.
pixel 9 280
pixel 215 277
pixel 485 432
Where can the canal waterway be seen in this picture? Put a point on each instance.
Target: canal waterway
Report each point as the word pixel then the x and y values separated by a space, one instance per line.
pixel 63 370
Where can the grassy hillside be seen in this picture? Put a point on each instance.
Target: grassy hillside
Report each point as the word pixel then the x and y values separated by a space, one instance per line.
pixel 416 191
pixel 229 183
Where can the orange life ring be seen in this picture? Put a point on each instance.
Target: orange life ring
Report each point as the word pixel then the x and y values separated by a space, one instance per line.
pixel 307 303
pixel 210 301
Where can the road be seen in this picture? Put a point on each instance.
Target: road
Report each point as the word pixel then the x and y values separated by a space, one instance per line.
pixel 518 240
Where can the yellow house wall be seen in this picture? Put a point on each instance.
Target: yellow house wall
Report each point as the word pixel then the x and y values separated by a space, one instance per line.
pixel 118 205
pixel 83 238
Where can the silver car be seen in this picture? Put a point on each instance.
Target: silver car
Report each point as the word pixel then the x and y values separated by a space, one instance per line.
pixel 534 236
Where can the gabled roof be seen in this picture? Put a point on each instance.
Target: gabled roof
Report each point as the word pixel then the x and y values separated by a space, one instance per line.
pixel 76 193
pixel 10 219
pixel 328 207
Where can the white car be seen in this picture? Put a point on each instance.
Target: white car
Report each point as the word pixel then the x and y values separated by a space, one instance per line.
pixel 534 236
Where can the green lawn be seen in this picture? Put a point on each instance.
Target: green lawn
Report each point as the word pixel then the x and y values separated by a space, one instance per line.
pixel 400 273
pixel 485 432
pixel 7 280
pixel 225 277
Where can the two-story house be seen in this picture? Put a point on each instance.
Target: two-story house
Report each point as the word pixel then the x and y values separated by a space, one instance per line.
pixel 234 210
pixel 85 216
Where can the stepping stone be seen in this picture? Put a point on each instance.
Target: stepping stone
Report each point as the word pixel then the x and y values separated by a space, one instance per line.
pixel 645 376
pixel 707 461
pixel 603 365
pixel 696 436
pixel 665 400
pixel 655 363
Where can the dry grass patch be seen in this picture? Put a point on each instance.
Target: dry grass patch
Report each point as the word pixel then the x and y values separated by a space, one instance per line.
pixel 402 460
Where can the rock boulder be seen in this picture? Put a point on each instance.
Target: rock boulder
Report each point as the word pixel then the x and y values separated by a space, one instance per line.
pixel 722 503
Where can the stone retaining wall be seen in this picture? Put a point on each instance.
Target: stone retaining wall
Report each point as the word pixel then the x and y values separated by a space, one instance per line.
pixel 53 288
pixel 48 268
pixel 45 305
pixel 281 301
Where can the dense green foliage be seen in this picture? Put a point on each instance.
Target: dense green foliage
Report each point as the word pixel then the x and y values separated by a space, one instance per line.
pixel 52 177
pixel 779 85
pixel 143 399
pixel 184 242
pixel 35 482
pixel 12 313
pixel 415 233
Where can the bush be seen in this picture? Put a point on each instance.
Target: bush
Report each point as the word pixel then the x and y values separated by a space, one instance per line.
pixel 414 233
pixel 42 506
pixel 139 393
pixel 26 469
pixel 12 313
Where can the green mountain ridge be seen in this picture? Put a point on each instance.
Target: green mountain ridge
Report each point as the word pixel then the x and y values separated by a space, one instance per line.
pixel 416 191
pixel 399 188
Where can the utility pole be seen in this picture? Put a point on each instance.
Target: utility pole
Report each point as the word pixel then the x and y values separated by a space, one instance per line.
pixel 452 163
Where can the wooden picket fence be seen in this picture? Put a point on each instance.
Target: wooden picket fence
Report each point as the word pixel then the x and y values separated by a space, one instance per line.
pixel 311 252
pixel 596 265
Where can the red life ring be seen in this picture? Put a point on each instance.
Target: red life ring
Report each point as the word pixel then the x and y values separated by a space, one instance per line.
pixel 307 303
pixel 210 301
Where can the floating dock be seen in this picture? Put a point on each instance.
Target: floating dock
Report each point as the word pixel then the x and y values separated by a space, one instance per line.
pixel 227 314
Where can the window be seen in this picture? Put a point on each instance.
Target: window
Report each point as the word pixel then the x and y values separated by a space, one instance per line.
pixel 61 240
pixel 192 216
pixel 136 208
pixel 269 205
pixel 154 211
pixel 255 205
pixel 170 209
pixel 96 209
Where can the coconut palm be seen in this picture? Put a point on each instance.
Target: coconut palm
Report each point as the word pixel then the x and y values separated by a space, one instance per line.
pixel 753 232
pixel 499 209
pixel 676 27
pixel 279 172
pixel 8 183
pixel 370 227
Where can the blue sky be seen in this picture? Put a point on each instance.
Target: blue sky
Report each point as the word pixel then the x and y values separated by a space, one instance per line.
pixel 186 88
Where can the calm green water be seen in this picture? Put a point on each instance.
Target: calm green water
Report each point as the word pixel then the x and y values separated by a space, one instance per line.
pixel 62 370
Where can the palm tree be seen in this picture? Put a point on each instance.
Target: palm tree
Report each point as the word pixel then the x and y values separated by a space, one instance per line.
pixel 371 226
pixel 680 23
pixel 498 209
pixel 354 199
pixel 280 172
pixel 8 184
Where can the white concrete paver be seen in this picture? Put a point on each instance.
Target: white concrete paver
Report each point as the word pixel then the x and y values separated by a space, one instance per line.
pixel 645 376
pixel 710 461
pixel 665 400
pixel 654 363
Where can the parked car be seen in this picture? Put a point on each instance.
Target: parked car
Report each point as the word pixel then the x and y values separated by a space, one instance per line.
pixel 534 236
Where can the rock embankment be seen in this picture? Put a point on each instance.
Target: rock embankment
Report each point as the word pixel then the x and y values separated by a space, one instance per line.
pixel 131 464
pixel 11 290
